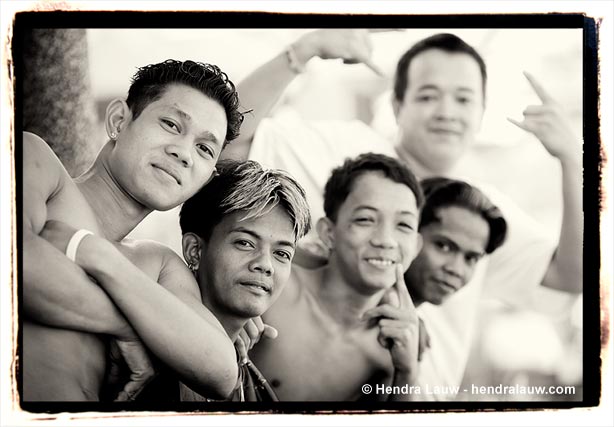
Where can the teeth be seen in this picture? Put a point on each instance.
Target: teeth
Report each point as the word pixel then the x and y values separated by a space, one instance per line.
pixel 380 262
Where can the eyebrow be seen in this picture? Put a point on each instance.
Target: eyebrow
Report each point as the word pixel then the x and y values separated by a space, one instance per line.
pixel 206 135
pixel 434 87
pixel 258 237
pixel 371 208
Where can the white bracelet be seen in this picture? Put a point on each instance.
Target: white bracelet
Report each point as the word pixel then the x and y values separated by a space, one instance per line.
pixel 293 62
pixel 74 242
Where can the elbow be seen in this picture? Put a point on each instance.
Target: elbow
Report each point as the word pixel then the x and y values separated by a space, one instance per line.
pixel 219 378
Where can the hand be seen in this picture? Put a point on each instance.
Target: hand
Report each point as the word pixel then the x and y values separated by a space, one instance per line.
pixel 251 333
pixel 133 355
pixel 351 45
pixel 399 327
pixel 549 124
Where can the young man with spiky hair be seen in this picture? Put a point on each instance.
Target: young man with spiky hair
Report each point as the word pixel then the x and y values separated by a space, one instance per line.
pixel 164 142
pixel 239 237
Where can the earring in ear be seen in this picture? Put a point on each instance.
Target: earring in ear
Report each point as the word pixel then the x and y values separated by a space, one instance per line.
pixel 113 136
pixel 192 267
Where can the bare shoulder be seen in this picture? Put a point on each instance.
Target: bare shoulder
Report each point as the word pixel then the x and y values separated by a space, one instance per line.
pixel 172 272
pixel 43 177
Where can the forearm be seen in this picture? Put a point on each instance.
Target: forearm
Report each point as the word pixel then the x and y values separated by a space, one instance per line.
pixel 197 350
pixel 59 293
pixel 565 271
pixel 260 91
pixel 402 380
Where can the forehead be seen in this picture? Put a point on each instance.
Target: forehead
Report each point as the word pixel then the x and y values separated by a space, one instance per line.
pixel 374 190
pixel 274 225
pixel 454 70
pixel 466 228
pixel 193 106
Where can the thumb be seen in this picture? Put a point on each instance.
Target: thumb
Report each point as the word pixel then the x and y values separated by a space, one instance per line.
pixel 269 332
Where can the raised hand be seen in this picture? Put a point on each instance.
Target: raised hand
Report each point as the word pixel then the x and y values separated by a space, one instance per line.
pixel 351 45
pixel 549 124
pixel 399 327
pixel 252 332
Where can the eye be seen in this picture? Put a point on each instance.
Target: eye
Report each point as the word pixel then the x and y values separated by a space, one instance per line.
pixel 204 149
pixel 463 100
pixel 285 255
pixel 170 125
pixel 363 220
pixel 472 259
pixel 244 244
pixel 426 97
pixel 405 227
pixel 443 246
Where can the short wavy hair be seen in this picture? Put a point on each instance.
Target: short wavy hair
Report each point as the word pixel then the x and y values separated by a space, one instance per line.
pixel 149 82
pixel 342 179
pixel 245 187
pixel 442 192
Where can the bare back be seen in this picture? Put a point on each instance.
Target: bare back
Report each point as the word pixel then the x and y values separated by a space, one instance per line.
pixel 58 364
pixel 313 357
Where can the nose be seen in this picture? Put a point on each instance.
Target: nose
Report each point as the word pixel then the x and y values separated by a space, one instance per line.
pixel 446 108
pixel 455 265
pixel 182 153
pixel 383 237
pixel 262 264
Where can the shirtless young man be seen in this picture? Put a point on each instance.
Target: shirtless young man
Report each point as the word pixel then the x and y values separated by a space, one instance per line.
pixel 333 335
pixel 165 140
pixel 239 235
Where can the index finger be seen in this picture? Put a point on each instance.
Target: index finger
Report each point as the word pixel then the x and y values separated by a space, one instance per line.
pixel 377 70
pixel 405 300
pixel 538 88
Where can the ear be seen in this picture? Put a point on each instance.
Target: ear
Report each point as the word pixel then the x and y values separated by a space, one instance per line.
pixel 192 247
pixel 117 114
pixel 325 229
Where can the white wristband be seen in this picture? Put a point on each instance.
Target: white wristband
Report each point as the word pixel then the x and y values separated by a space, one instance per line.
pixel 74 242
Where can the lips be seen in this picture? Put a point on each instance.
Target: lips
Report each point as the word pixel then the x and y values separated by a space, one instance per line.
pixel 444 131
pixel 257 285
pixel 169 171
pixel 445 285
pixel 380 262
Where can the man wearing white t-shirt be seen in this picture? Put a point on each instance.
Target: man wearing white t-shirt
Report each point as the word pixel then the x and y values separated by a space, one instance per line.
pixel 439 95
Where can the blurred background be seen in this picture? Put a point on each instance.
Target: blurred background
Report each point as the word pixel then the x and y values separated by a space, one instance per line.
pixel 93 66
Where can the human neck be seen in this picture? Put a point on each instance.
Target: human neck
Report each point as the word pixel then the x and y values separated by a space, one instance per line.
pixel 335 292
pixel 117 212
pixel 420 170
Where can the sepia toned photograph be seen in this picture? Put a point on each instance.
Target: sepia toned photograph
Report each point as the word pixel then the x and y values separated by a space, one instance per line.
pixel 321 214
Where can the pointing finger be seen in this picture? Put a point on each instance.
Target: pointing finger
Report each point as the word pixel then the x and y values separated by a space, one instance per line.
pixel 404 296
pixel 538 88
pixel 519 124
pixel 371 65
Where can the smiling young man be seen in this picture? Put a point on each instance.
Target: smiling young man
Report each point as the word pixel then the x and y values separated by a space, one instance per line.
pixel 333 337
pixel 164 142
pixel 459 225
